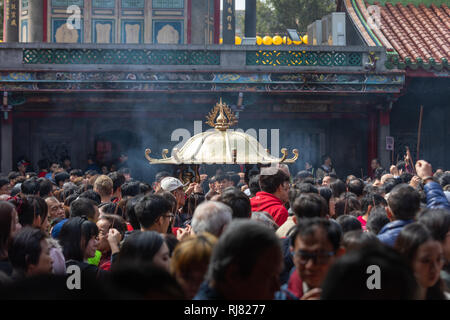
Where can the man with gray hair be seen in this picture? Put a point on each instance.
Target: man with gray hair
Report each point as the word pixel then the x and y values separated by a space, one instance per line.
pixel 212 217
pixel 55 208
pixel 245 264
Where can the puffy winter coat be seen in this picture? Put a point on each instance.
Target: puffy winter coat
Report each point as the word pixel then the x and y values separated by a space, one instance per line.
pixel 435 196
pixel 389 233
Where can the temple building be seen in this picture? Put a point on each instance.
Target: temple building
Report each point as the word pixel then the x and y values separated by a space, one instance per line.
pixel 114 21
pixel 139 74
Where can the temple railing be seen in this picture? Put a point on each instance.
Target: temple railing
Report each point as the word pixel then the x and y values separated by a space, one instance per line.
pixel 41 67
pixel 121 56
pixel 192 57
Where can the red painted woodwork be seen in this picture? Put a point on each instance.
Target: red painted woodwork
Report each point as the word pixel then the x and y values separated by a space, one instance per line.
pixel 189 21
pixel 216 21
pixel 372 140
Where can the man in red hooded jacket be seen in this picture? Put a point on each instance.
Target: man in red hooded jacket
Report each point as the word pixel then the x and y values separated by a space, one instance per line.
pixel 274 183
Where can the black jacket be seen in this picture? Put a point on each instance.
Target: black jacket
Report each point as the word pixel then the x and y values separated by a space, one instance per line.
pixel 88 271
pixel 205 292
pixel 5 266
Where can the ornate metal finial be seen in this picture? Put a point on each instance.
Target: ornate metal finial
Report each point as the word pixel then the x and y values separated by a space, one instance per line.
pixel 226 118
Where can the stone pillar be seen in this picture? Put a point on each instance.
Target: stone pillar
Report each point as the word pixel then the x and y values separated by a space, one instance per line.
pixel 383 131
pixel 250 18
pixel 202 22
pixel 36 21
pixel 229 22
pixel 11 21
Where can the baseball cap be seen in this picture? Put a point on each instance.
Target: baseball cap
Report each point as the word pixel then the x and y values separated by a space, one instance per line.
pixel 269 171
pixel 22 162
pixel 170 184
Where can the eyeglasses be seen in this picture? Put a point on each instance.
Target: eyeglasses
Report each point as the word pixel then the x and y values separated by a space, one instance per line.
pixel 317 257
pixel 170 216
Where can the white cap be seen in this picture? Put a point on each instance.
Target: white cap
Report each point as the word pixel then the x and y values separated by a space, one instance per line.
pixel 269 171
pixel 273 169
pixel 170 184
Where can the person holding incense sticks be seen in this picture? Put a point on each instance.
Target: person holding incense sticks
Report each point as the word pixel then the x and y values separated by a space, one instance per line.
pixel 108 242
pixel 375 164
pixel 433 190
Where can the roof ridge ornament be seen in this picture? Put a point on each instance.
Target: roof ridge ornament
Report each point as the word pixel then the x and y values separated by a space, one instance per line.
pixel 224 120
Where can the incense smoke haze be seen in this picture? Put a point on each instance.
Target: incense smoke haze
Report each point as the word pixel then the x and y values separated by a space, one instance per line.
pixel 171 128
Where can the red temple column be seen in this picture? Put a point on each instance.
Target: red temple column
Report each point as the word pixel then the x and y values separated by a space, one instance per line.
pixel 372 140
pixel 216 21
pixel 383 131
pixel 189 22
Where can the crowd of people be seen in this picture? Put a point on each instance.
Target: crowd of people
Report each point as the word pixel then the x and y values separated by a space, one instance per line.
pixel 264 235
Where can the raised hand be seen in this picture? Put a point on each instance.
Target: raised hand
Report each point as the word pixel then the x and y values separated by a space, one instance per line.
pixel 198 188
pixel 394 171
pixel 313 294
pixel 183 233
pixel 114 238
pixel 424 169
pixel 415 182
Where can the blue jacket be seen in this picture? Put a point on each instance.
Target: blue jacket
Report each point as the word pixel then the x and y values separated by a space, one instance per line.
pixel 288 262
pixel 436 198
pixel 284 294
pixel 389 233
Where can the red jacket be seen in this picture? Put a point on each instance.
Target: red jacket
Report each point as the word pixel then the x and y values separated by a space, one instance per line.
pixel 42 174
pixel 264 201
pixel 295 284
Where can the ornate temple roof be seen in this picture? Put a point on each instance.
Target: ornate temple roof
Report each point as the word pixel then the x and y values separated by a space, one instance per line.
pixel 416 36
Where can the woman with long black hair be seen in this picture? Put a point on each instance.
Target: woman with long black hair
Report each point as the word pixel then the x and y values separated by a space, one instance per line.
pixel 8 222
pixel 425 255
pixel 79 240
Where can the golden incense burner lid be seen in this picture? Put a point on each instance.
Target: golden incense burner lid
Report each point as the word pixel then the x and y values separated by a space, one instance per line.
pixel 221 146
